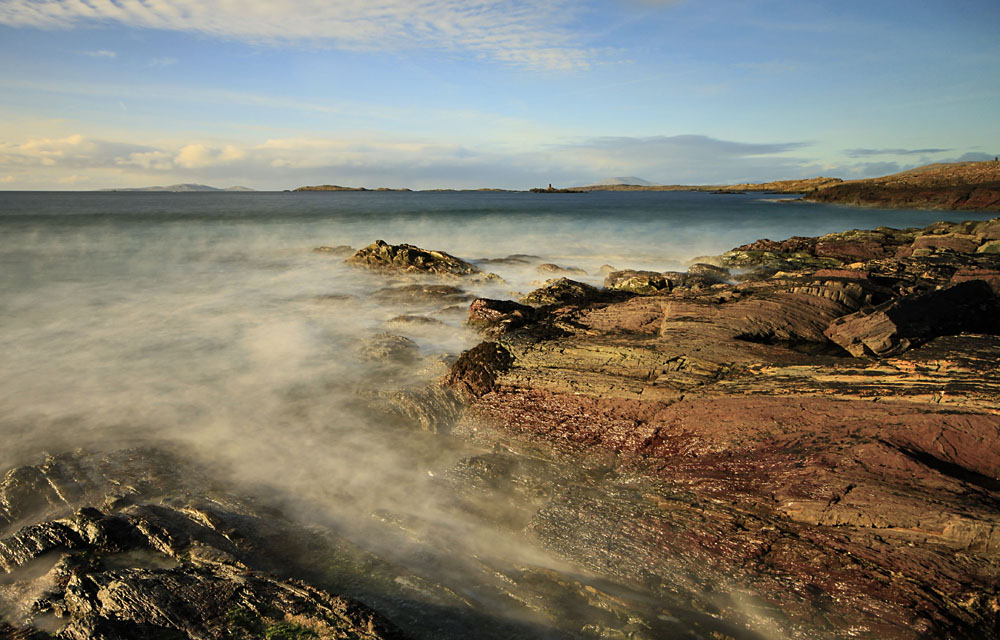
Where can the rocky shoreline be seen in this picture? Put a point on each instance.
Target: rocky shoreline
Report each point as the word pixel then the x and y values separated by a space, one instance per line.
pixel 796 439
pixel 818 432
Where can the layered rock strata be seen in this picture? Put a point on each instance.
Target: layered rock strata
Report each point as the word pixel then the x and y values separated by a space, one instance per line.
pixel 810 451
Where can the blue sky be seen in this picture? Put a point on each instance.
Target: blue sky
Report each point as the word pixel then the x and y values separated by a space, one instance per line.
pixel 488 93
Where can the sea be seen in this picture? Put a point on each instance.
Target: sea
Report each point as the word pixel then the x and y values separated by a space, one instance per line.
pixel 208 322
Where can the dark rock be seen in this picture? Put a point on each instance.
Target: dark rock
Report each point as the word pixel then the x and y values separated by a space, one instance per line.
pixel 341 250
pixel 902 323
pixel 554 269
pixel 640 282
pixel 406 258
pixel 515 259
pixel 496 317
pixel 422 294
pixel 989 276
pixel 561 291
pixel 476 370
pixel 415 320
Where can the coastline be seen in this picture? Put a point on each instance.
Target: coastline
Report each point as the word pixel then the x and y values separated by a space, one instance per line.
pixel 782 431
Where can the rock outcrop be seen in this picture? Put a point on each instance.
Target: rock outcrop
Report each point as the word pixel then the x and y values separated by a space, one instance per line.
pixel 142 567
pixel 734 456
pixel 406 258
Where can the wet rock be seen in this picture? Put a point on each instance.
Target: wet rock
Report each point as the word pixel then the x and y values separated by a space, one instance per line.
pixel 388 347
pixel 561 291
pixel 414 294
pixel 516 259
pixel 184 568
pixel 554 269
pixel 340 250
pixel 434 409
pixel 411 320
pixel 476 370
pixel 902 323
pixel 406 258
pixel 496 317
pixel 640 282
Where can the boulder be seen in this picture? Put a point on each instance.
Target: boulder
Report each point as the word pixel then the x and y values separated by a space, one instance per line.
pixel 561 291
pixel 899 324
pixel 497 317
pixel 641 282
pixel 406 258
pixel 553 269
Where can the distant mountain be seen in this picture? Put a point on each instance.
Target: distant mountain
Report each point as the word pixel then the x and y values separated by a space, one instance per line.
pixel 181 188
pixel 624 180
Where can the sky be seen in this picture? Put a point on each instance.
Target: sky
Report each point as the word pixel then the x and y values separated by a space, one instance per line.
pixel 275 94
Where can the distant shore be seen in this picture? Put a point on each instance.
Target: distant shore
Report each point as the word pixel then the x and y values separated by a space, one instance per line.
pixel 956 186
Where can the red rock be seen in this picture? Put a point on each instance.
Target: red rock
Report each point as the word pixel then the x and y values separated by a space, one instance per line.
pixel 955 242
pixel 990 276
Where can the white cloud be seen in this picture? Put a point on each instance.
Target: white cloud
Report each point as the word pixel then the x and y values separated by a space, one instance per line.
pixel 198 156
pixel 382 160
pixel 150 160
pixel 165 61
pixel 530 33
pixel 72 151
pixel 102 53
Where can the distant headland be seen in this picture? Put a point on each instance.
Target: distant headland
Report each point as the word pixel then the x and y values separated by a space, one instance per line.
pixel 181 188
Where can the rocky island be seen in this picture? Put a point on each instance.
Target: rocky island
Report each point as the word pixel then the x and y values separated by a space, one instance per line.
pixel 797 439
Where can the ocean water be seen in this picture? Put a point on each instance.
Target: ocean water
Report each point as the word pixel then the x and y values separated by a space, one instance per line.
pixel 207 321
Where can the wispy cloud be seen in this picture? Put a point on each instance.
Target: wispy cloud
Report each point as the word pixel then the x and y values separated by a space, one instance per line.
pixel 529 33
pixel 866 153
pixel 165 61
pixel 101 53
